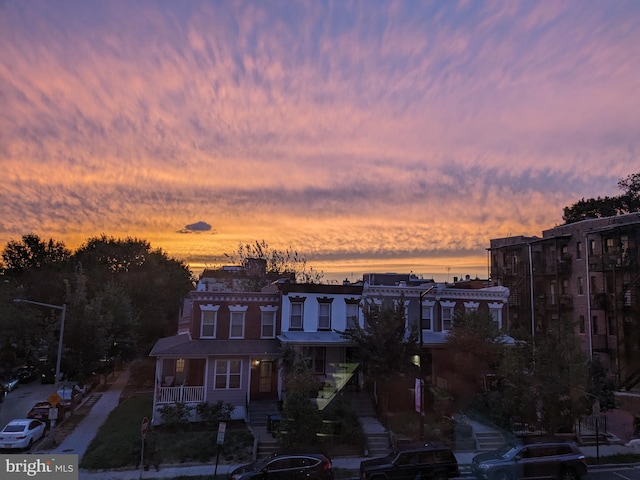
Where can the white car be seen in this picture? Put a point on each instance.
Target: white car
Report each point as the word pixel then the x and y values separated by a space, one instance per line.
pixel 21 433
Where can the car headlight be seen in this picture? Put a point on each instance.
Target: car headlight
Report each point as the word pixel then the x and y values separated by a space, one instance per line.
pixel 484 466
pixel 236 476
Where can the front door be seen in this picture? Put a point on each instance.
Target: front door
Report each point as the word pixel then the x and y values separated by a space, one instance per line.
pixel 266 376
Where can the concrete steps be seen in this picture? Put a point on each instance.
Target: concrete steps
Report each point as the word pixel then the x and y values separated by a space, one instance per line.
pixel 489 440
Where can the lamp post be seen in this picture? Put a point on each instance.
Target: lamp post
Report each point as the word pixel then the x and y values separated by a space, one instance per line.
pixel 420 367
pixel 62 308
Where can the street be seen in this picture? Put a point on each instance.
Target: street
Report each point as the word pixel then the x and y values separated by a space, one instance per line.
pixel 18 403
pixel 619 473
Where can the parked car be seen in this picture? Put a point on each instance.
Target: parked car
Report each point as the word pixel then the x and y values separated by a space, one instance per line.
pixel 561 460
pixel 21 433
pixel 70 394
pixel 40 411
pixel 286 467
pixel 26 373
pixel 10 383
pixel 430 461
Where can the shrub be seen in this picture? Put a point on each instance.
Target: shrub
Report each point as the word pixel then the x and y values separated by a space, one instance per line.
pixel 175 417
pixel 213 414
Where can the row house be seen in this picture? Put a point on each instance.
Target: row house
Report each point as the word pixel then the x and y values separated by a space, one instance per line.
pixel 229 344
pixel 430 308
pixel 313 317
pixel 226 350
pixel 586 273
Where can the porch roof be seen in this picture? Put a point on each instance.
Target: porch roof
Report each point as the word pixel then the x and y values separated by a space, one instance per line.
pixel 172 346
pixel 327 339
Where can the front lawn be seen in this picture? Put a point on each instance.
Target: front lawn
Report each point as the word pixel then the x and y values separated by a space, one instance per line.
pixel 118 442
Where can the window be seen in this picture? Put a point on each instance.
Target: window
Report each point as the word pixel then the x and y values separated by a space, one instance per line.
pixel 594 324
pixel 227 374
pixel 352 314
pixel 552 293
pixel 565 287
pixel 578 250
pixel 447 314
pixel 324 314
pixel 608 245
pixel 495 310
pixel 471 306
pixel 427 314
pixel 580 286
pixel 592 247
pixel 592 285
pixel 236 325
pixel 208 320
pixel 315 355
pixel 268 322
pixel 582 324
pixel 297 310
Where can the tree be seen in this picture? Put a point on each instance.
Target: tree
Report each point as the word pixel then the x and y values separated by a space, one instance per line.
pixel 474 346
pixel 32 253
pixel 561 378
pixel 627 202
pixel 154 283
pixel 385 346
pixel 278 261
pixel 301 419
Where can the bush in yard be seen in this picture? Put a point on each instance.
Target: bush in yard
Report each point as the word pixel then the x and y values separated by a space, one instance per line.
pixel 214 413
pixel 175 417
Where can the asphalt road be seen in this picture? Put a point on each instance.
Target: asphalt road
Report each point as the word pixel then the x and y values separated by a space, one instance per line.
pixel 18 402
pixel 618 473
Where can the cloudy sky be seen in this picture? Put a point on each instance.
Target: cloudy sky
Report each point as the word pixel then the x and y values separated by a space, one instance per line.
pixel 368 135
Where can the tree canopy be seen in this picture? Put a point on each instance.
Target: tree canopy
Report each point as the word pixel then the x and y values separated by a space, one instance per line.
pixel 627 202
pixel 121 296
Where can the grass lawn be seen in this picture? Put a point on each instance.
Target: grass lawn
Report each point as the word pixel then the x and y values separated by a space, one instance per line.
pixel 118 442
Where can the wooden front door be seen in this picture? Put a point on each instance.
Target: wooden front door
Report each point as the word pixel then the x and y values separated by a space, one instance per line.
pixel 266 376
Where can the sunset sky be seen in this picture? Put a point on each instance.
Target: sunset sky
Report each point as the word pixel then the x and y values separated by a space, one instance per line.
pixel 368 135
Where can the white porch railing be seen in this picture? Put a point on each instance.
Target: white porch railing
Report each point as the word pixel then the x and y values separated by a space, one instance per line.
pixel 181 394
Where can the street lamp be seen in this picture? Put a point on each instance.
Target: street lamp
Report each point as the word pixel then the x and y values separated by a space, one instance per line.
pixel 63 308
pixel 420 383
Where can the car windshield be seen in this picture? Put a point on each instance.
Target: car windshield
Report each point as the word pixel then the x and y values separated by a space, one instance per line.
pixel 14 428
pixel 507 451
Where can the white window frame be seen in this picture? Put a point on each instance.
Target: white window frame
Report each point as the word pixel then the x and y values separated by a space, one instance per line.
pixel 352 319
pixel 447 308
pixel 427 307
pixel 229 376
pixel 471 306
pixel 209 309
pixel 268 313
pixel 237 312
pixel 295 303
pixel 495 310
pixel 324 316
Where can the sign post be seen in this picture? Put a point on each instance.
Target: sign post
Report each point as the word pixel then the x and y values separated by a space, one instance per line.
pixel 222 427
pixel 143 433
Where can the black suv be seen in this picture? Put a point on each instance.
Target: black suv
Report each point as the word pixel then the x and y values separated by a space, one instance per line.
pixel 408 462
pixel 561 460
pixel 286 467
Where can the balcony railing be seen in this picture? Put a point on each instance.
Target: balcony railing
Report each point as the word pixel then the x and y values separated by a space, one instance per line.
pixel 180 394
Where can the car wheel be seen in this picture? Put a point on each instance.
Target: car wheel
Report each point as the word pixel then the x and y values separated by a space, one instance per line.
pixel 30 444
pixel 502 475
pixel 568 474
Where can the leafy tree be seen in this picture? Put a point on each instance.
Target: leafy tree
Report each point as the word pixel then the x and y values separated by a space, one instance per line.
pixel 474 345
pixel 561 375
pixel 627 202
pixel 279 262
pixel 385 345
pixel 154 283
pixel 301 419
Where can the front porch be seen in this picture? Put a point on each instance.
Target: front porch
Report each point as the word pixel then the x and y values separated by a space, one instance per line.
pixel 180 394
